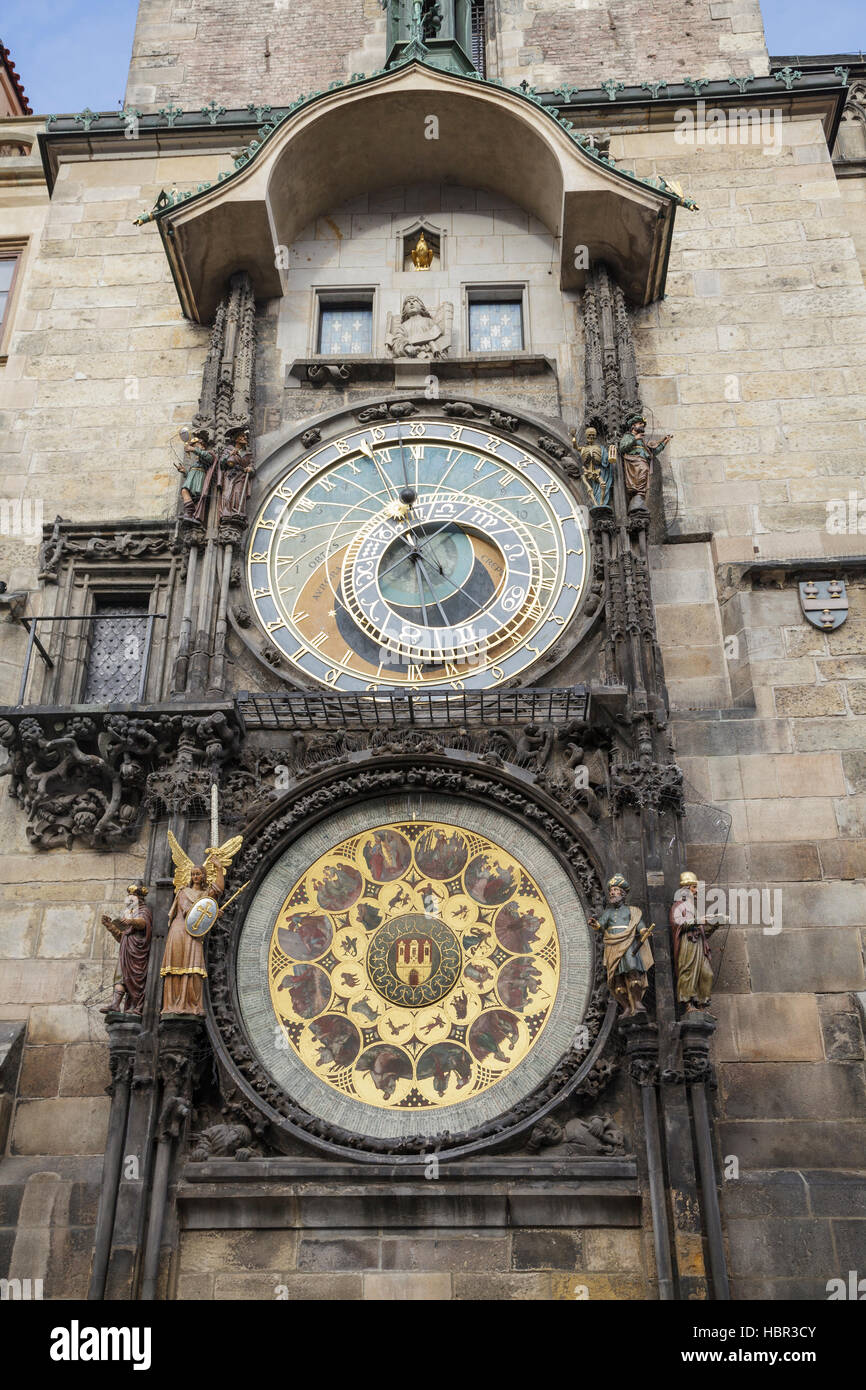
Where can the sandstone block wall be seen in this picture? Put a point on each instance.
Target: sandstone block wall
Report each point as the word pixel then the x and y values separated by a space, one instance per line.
pixel 756 360
pixel 191 54
pixel 490 1263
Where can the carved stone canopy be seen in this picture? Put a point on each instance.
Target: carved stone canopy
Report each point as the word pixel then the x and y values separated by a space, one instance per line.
pixel 370 135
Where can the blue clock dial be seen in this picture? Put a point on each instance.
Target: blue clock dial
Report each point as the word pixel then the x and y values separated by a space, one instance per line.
pixel 417 554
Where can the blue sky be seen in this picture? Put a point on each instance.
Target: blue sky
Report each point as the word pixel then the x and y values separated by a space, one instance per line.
pixel 71 55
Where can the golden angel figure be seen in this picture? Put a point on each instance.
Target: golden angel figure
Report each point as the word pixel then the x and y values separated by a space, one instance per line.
pixel 183 970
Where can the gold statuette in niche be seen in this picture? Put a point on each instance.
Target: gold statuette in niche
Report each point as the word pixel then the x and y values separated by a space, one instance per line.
pixel 414 965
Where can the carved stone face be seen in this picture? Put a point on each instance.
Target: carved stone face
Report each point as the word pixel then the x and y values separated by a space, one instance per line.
pixel 591 435
pixel 638 428
pixel 412 305
pixel 197 878
pixel 615 895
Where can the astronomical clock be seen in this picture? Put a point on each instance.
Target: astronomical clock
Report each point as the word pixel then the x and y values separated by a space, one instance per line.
pixel 429 553
pixel 415 960
pixel 404 971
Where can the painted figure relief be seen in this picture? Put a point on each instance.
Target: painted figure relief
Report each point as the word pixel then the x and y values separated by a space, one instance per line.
pixel 427 976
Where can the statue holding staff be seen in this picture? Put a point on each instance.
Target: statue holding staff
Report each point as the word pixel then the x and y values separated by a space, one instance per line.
pixel 627 953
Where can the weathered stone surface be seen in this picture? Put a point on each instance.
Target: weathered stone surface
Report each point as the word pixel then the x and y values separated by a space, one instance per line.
pixel 85 1070
pixel 782 863
pixel 545 1250
pixel 409 1286
pixel 795 1246
pixel 459 1255
pixel 213 1251
pixel 779 1090
pixel 347 1254
pixel 765 1194
pixel 814 958
pixel 837 1194
pixel 843 1035
pixel 768 1028
pixel 40 1071
pixel 61 1126
pixel 249 1287
pixel 592 1287
pixel 809 702
pixel 489 1287
pixel 794 1143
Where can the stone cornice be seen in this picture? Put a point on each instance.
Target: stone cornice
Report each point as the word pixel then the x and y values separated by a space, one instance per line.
pixel 173 131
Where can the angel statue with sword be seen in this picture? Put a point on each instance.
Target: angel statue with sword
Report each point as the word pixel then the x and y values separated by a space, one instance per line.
pixel 193 912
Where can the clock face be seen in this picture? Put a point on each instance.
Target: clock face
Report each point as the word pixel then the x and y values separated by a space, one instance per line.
pixel 398 963
pixel 421 553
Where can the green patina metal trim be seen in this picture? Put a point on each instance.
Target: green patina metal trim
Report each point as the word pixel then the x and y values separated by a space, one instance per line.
pixel 167 201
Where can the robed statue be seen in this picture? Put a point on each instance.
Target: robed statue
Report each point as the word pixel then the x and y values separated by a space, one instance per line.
pixel 692 959
pixel 234 476
pixel 132 929
pixel 417 333
pixel 627 953
pixel 637 458
pixel 197 890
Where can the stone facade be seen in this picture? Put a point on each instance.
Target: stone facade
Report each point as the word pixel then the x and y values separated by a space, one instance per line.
pixel 182 55
pixel 755 361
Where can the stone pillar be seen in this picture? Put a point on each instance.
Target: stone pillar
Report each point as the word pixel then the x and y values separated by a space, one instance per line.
pixel 180 1055
pixel 696 1030
pixel 123 1034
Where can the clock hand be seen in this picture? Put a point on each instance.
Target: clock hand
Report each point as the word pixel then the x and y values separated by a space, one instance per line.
pixel 418 580
pixel 414 549
pixel 442 613
pixel 368 453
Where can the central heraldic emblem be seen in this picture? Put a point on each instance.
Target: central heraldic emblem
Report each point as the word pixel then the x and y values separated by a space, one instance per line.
pixel 413 965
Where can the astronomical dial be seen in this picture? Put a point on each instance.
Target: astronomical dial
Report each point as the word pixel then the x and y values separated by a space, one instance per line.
pixel 417 554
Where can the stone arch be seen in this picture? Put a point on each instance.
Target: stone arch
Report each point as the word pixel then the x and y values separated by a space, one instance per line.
pixel 391 129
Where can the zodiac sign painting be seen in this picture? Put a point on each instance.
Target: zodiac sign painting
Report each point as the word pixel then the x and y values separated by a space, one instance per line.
pixel 413 965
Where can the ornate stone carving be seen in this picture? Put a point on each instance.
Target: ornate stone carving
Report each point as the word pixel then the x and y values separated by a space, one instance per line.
pixel 387 410
pixel 554 447
pixel 418 334
pixel 226 400
pixel 224 1140
pixel 577 1138
pixel 78 778
pixel 65 540
pixel 179 1062
pixel 646 785
pixel 642 1049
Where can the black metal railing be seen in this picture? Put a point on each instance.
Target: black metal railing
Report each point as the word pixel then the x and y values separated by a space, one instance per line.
pixel 425 708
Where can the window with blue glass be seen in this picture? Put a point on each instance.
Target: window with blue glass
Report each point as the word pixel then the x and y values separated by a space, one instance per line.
pixel 495 325
pixel 345 329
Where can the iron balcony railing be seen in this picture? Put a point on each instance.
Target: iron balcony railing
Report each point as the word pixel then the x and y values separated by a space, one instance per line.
pixel 422 708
